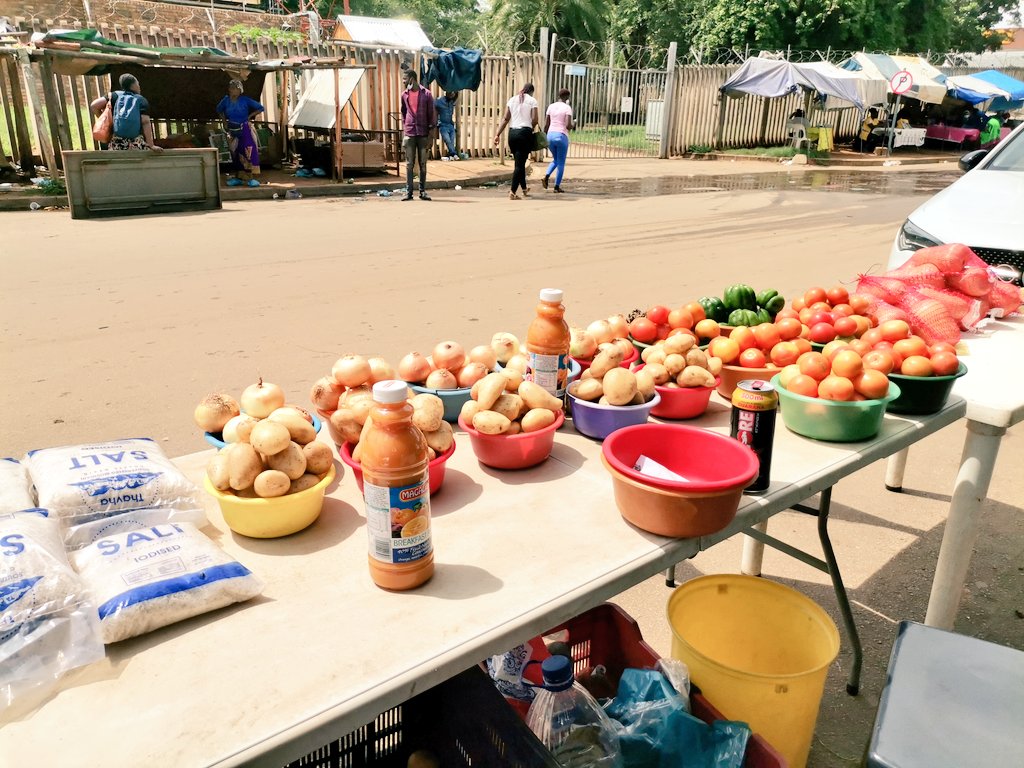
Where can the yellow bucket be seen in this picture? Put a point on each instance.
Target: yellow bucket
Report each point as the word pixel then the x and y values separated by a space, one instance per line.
pixel 759 651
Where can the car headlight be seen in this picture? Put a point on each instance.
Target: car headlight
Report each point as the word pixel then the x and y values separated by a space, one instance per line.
pixel 911 237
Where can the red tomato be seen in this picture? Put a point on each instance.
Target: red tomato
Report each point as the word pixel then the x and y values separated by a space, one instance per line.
pixel 788 327
pixel 847 363
pixel 663 330
pixel 814 295
pixel 872 336
pixel 805 315
pixel 822 333
pixel 785 353
pixel 836 388
pixel 843 310
pixel 724 348
pixel 680 318
pixel 821 317
pixel 706 329
pixel 821 306
pixel 941 346
pixel 643 330
pixel 879 360
pixel 767 335
pixel 802 344
pixel 872 384
pixel 845 326
pixel 837 294
pixel 863 324
pixel 860 346
pixel 830 349
pixel 802 384
pixel 658 314
pixel 752 358
pixel 859 302
pixel 788 373
pixel 744 336
pixel 945 363
pixel 696 311
pixel 798 303
pixel 785 312
pixel 917 365
pixel 815 365
pixel 894 330
pixel 911 346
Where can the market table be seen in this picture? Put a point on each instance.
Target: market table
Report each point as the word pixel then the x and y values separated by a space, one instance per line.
pixel 995 402
pixel 903 137
pixel 952 134
pixel 323 651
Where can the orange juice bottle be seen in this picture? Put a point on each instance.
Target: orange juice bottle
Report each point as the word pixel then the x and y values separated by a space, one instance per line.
pixel 547 344
pixel 396 492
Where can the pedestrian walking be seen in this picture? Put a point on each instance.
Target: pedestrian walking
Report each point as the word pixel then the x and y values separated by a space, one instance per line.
pixel 558 121
pixel 445 107
pixel 418 122
pixel 521 117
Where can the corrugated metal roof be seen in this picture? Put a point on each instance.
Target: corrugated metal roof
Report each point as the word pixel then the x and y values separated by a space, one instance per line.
pixel 316 106
pixel 399 33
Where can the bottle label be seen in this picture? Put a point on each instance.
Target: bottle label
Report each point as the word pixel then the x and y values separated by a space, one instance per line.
pixel 549 371
pixel 398 521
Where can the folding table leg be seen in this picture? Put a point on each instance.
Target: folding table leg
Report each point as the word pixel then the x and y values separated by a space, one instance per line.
pixel 894 468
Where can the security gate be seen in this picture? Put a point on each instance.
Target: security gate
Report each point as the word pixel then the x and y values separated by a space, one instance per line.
pixel 618 112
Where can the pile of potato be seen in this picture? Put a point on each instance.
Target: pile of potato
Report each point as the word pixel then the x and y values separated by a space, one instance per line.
pixel 272 457
pixel 352 419
pixel 503 403
pixel 678 362
pixel 607 383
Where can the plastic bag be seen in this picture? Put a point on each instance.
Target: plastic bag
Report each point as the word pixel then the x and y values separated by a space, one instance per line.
pixel 15 487
pixel 657 731
pixel 48 624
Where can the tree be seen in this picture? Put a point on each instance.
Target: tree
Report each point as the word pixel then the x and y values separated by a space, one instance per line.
pixel 519 21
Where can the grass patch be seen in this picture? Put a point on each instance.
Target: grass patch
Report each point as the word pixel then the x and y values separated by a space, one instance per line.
pixel 618 136
pixel 762 151
pixel 76 143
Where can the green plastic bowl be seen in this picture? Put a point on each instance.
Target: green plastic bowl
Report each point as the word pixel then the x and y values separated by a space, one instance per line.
pixel 921 395
pixel 833 420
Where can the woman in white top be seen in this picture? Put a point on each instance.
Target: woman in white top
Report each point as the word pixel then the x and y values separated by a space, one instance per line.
pixel 521 118
pixel 557 123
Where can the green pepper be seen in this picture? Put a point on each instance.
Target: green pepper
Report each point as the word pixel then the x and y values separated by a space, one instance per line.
pixel 743 317
pixel 764 316
pixel 739 296
pixel 714 309
pixel 771 300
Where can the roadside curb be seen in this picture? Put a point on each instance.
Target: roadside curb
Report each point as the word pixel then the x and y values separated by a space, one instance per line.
pixel 827 162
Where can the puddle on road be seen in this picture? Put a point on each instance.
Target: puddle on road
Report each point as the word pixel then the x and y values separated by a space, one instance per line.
pixel 903 183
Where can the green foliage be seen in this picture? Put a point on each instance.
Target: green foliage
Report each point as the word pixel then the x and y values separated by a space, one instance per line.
pixel 52 187
pixel 518 22
pixel 259 33
pixel 699 149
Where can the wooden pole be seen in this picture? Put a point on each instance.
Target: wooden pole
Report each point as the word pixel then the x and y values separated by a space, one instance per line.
pixel 721 119
pixel 763 132
pixel 26 158
pixel 339 155
pixel 668 106
pixel 36 108
pixel 55 112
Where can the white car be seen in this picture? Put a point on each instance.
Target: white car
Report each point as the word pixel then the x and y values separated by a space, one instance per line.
pixel 983 209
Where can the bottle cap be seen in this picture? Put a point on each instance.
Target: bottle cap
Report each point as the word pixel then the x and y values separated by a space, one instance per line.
pixel 557 673
pixel 551 295
pixel 390 391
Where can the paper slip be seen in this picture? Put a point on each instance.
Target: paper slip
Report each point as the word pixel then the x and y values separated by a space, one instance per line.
pixel 651 468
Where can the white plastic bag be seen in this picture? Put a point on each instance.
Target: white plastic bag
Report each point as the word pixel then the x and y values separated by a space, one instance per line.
pixel 15 487
pixel 84 483
pixel 145 579
pixel 48 626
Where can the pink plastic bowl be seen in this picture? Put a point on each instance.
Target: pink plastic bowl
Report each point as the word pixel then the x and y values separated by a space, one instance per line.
pixel 628 361
pixel 682 402
pixel 520 451
pixel 436 466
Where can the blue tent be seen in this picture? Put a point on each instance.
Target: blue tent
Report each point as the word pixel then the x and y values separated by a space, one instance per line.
pixel 1011 85
pixel 997 90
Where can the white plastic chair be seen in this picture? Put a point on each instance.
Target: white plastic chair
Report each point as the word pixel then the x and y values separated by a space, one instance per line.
pixel 796 132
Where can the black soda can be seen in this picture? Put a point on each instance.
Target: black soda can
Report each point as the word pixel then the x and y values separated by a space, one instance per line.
pixel 753 423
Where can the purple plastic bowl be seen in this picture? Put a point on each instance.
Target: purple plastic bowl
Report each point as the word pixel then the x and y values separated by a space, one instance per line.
pixel 599 421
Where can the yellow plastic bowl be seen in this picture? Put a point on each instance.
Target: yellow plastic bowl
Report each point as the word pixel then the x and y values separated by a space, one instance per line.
pixel 271 518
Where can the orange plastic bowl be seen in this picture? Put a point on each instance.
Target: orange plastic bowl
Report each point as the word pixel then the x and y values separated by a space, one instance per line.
pixel 527 449
pixel 436 466
pixel 716 469
pixel 732 375
pixel 682 402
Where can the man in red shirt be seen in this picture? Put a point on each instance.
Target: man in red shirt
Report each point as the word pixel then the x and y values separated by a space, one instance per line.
pixel 418 123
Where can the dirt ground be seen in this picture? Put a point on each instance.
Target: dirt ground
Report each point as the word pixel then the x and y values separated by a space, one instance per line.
pixel 115 328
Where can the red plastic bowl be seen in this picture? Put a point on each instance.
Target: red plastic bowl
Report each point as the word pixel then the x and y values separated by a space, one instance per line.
pixel 436 466
pixel 628 361
pixel 711 462
pixel 682 402
pixel 527 449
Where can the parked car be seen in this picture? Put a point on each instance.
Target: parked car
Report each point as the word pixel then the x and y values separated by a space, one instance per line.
pixel 983 209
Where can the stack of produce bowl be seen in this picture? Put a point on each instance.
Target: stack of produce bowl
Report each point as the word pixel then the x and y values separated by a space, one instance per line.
pixel 838 421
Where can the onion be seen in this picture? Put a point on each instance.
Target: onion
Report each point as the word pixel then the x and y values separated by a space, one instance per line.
pixel 214 411
pixel 442 378
pixel 581 343
pixel 601 331
pixel 380 370
pixel 518 362
pixel 504 345
pixel 414 368
pixel 351 371
pixel 619 326
pixel 325 393
pixel 483 354
pixel 238 429
pixel 261 399
pixel 299 411
pixel 449 355
pixel 471 373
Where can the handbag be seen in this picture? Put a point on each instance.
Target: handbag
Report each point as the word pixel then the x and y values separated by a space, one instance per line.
pixel 103 129
pixel 540 141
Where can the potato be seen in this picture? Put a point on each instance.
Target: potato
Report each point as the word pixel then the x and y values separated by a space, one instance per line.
pixel 431 454
pixel 586 375
pixel 348 427
pixel 514 428
pixel 428 412
pixel 490 389
pixel 490 423
pixel 247 493
pixel 645 383
pixel 638 399
pixel 360 405
pixel 301 431
pixel 679 344
pixel 619 386
pixel 304 482
pixel 217 471
pixel 318 457
pixel 513 379
pixel 271 483
pixel 657 356
pixel 270 437
pixel 675 364
pixel 605 361
pixel 509 406
pixel 695 376
pixel 538 418
pixel 590 390
pixel 291 461
pixel 470 408
pixel 354 394
pixel 535 396
pixel 658 372
pixel 442 438
pixel 696 356
pixel 715 365
pixel 244 464
pixel 647 351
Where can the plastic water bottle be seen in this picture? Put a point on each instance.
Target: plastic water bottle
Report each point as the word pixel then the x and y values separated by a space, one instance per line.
pixel 570 722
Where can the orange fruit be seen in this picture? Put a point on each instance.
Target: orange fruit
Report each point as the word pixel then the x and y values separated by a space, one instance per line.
pixel 707 329
pixel 836 388
pixel 815 365
pixel 874 385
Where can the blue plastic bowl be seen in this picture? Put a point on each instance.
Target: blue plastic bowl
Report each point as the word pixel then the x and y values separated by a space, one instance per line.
pixel 453 399
pixel 214 438
pixel 599 421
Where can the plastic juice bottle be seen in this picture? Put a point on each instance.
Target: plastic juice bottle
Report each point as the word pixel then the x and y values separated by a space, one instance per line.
pixel 396 492
pixel 547 344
